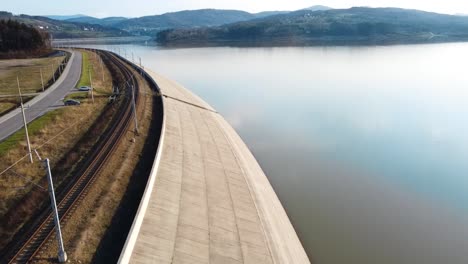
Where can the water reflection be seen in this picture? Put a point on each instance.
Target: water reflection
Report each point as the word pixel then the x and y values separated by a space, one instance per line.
pixel 366 147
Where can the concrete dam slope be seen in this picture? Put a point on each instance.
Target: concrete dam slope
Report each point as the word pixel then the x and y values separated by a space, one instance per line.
pixel 207 199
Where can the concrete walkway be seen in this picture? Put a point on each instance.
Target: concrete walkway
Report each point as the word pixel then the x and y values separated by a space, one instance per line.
pixel 39 105
pixel 207 200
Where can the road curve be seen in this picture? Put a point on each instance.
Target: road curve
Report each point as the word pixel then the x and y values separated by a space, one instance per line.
pixel 207 200
pixel 13 121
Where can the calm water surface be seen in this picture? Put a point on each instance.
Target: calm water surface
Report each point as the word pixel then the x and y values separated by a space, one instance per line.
pixel 367 147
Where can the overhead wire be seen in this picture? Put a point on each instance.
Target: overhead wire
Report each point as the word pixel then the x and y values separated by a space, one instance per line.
pixel 28 180
pixel 57 135
pixel 14 164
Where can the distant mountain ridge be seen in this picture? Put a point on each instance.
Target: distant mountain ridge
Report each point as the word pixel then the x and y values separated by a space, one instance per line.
pixel 317 8
pixel 315 25
pixel 358 25
pixel 182 19
pixel 108 21
pixel 60 17
pixel 150 25
pixel 59 29
pixel 76 26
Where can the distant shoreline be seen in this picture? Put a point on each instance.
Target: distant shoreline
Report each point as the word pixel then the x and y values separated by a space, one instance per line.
pixel 305 42
pixel 354 26
pixel 277 42
pixel 113 40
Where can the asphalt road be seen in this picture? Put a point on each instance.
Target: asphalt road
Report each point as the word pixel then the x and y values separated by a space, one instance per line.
pixel 50 99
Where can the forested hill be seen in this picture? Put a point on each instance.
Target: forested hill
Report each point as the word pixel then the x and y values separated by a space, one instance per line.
pixel 358 25
pixel 18 37
pixel 64 29
pixel 185 19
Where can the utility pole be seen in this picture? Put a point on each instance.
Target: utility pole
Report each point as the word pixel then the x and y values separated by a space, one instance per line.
pixel 133 58
pixel 24 122
pixel 91 84
pixel 42 79
pixel 102 70
pixel 141 67
pixel 26 131
pixel 134 110
pixel 62 255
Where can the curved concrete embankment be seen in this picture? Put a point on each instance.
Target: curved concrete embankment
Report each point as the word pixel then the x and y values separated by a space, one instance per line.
pixel 207 199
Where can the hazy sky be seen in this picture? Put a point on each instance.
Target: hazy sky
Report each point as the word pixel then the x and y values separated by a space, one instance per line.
pixel 134 8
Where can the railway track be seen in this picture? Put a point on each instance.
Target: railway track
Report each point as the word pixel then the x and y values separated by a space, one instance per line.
pixel 26 248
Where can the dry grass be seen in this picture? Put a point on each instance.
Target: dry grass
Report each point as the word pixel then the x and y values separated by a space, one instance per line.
pixel 83 233
pixel 19 182
pixel 9 103
pixel 85 70
pixel 92 64
pixel 28 72
pixel 33 129
pixel 6 105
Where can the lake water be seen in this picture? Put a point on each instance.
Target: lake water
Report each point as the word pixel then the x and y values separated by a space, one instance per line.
pixel 367 147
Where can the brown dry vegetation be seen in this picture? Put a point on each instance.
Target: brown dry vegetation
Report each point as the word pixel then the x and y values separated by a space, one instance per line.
pixel 10 103
pixel 7 105
pixel 18 192
pixel 88 224
pixel 29 75
pixel 28 72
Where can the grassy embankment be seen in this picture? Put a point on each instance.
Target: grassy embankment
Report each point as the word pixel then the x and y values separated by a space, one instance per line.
pixel 17 184
pixel 96 75
pixel 29 75
pixel 84 81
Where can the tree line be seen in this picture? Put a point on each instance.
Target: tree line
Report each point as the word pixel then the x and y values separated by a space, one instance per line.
pixel 16 36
